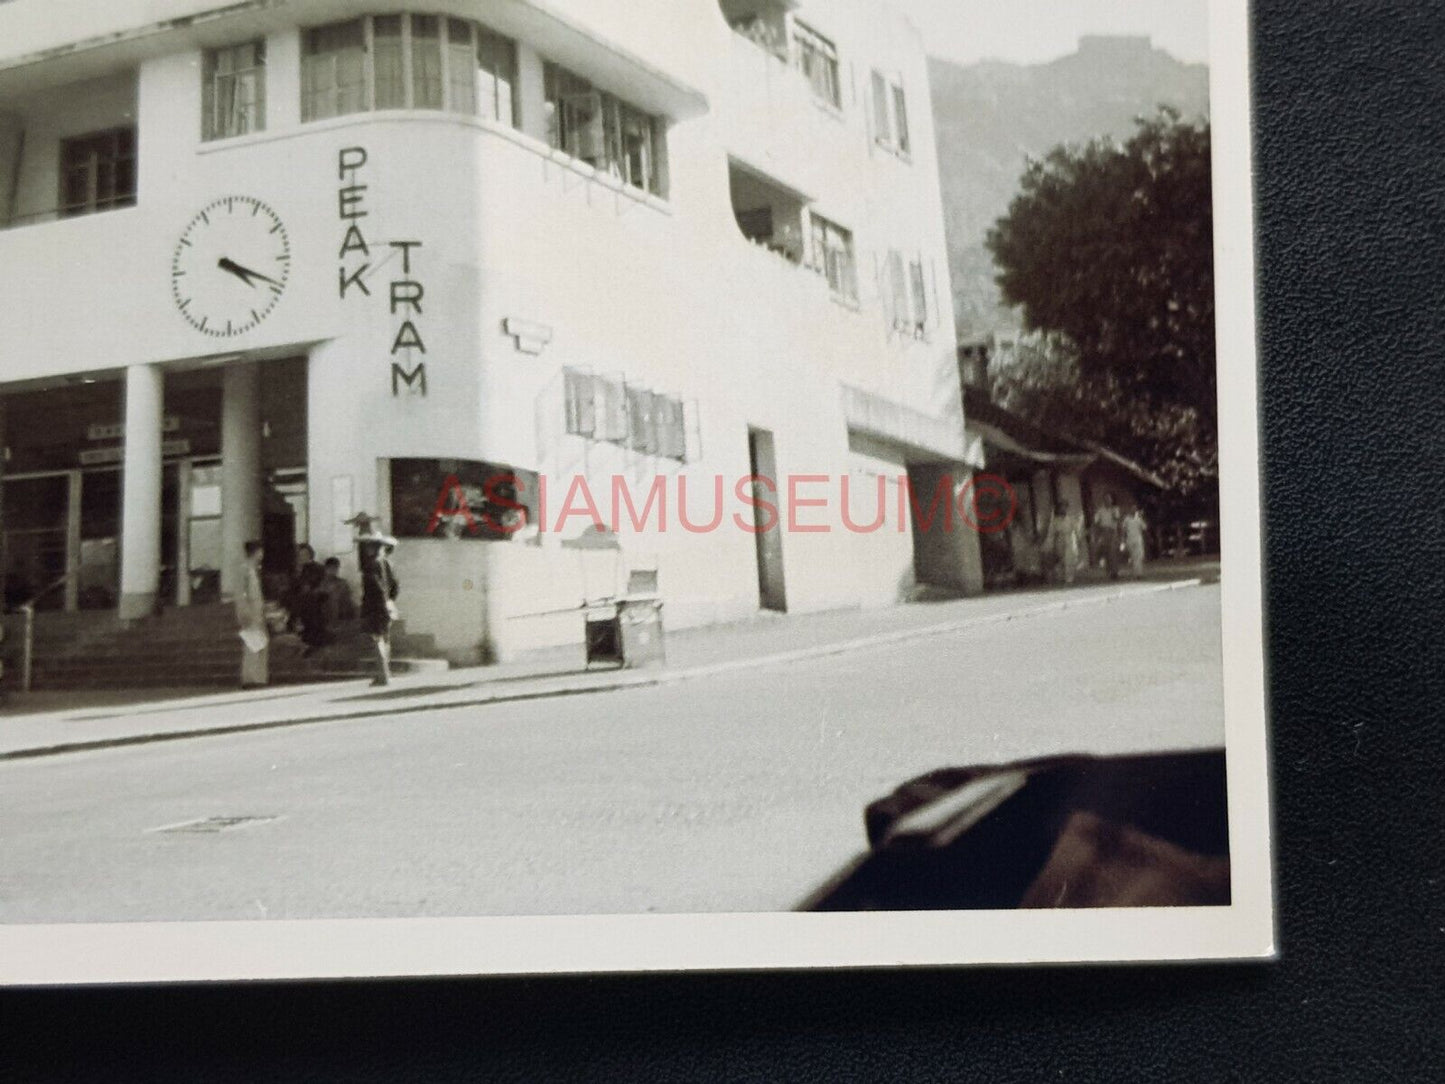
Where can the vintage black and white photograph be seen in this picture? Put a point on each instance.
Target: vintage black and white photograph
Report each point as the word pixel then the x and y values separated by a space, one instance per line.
pixel 535 485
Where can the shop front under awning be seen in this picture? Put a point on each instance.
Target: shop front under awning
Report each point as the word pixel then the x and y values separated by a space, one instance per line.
pixel 1013 441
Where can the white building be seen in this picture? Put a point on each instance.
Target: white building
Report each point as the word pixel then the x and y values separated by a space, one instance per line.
pixel 267 264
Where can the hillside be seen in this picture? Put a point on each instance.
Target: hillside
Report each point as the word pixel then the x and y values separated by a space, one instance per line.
pixel 992 116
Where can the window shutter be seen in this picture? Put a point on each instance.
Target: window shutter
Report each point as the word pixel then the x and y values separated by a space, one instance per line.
pixel 692 432
pixel 612 425
pixel 898 289
pixel 881 130
pixel 900 119
pixel 581 403
pixel 919 290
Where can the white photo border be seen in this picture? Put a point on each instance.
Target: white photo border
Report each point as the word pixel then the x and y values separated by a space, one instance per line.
pixel 157 952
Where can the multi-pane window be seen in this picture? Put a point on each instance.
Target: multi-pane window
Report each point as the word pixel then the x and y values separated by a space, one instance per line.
pixel 496 76
pixel 602 130
pixel 333 70
pixel 388 60
pixel 461 76
pixel 831 254
pixel 817 58
pixel 426 62
pixel 233 90
pixel 97 172
pixel 890 114
pixel 408 61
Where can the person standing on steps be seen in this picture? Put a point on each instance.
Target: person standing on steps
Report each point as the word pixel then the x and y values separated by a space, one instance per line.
pixel 378 597
pixel 251 616
pixel 339 604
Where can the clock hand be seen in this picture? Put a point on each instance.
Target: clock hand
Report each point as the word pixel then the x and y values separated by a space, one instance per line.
pixel 245 274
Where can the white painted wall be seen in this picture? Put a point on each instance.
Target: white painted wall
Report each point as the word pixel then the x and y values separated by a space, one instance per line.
pixel 664 292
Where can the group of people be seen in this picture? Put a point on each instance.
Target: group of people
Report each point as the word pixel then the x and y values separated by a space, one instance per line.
pixel 317 599
pixel 1113 532
pixel 316 602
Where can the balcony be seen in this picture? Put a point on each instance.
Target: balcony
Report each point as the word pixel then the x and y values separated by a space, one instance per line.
pixel 69 151
pixel 768 213
pixel 771 115
pixel 762 22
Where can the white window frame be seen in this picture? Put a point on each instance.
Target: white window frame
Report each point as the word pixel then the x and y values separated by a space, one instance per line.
pixel 591 125
pixel 810 47
pixel 213 126
pixel 832 254
pixel 308 60
pixel 99 197
pixel 449 53
pixel 888 114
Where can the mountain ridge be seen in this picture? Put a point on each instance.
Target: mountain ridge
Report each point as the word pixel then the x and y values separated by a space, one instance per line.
pixel 992 116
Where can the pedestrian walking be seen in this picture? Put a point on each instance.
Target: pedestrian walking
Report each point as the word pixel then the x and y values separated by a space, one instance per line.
pixel 1064 542
pixel 379 589
pixel 1106 532
pixel 1134 530
pixel 251 616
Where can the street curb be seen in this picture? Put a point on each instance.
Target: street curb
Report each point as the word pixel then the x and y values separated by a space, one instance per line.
pixel 624 680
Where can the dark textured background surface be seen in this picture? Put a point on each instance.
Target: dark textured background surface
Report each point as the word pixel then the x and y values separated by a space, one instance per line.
pixel 1351 216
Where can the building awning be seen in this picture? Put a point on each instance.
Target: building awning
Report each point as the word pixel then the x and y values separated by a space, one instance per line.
pixel 1144 474
pixel 994 437
pixel 56 61
pixel 1013 435
pixel 741 9
pixel 925 437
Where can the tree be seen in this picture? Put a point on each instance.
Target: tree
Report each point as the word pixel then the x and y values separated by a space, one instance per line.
pixel 1111 246
pixel 1042 380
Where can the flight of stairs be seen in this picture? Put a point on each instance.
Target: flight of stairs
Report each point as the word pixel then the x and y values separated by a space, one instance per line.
pixel 185 647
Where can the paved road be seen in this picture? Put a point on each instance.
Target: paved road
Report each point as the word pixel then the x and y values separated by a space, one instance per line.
pixel 734 793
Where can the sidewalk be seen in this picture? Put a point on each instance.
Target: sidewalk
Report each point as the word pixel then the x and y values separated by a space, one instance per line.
pixel 47 723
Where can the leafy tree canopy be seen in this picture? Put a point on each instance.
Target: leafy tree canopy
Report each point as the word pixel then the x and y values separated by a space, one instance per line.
pixel 1042 380
pixel 1111 246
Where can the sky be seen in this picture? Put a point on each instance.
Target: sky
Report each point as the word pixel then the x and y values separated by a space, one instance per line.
pixel 1030 31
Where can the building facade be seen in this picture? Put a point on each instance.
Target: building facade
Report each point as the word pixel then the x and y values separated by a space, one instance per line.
pixel 273 264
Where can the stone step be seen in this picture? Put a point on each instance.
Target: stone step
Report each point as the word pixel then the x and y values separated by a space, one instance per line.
pixel 194 647
pixel 224 677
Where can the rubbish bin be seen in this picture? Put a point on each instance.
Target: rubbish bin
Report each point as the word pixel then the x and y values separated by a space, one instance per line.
pixel 626 632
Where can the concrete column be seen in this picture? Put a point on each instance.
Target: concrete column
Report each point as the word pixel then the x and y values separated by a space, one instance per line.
pixel 12 145
pixel 140 546
pixel 183 533
pixel 72 543
pixel 4 456
pixel 240 468
pixel 283 80
pixel 531 93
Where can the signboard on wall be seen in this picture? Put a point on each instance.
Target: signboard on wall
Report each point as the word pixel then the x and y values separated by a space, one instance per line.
pixel 462 499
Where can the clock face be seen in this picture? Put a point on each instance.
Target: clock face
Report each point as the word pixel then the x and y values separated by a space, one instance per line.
pixel 230 266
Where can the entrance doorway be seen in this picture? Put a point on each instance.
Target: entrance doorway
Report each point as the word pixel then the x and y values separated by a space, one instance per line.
pixel 768 537
pixel 35 542
pixel 62 493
